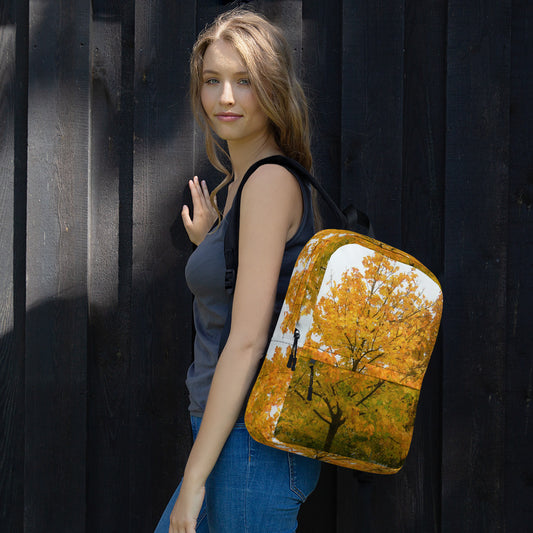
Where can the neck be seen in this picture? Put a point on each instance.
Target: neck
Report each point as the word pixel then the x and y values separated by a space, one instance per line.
pixel 244 154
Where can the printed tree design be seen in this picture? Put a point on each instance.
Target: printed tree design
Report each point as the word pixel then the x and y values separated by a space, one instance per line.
pixel 334 396
pixel 376 318
pixel 373 328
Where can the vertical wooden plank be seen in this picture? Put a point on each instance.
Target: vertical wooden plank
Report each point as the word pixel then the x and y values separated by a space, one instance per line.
pixel 321 71
pixel 519 367
pixel 424 132
pixel 161 303
pixel 475 311
pixel 109 280
pixel 13 107
pixel 372 107
pixel 10 378
pixel 417 494
pixel 55 430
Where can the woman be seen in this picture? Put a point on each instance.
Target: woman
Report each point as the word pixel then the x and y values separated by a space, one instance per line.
pixel 243 91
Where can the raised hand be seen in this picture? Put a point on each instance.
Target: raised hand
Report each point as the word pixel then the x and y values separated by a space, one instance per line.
pixel 204 214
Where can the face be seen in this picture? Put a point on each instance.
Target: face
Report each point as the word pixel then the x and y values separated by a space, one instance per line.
pixel 228 98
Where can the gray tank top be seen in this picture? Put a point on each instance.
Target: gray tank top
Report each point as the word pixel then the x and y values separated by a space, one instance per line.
pixel 204 273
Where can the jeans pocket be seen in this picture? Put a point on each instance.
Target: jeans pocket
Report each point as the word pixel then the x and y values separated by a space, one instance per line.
pixel 304 474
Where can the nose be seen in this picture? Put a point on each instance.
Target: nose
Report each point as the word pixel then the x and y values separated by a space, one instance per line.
pixel 226 97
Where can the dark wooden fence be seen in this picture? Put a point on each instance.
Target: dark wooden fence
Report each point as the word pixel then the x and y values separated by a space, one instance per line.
pixel 423 113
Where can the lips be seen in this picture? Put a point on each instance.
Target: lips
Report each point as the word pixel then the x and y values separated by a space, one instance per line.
pixel 228 117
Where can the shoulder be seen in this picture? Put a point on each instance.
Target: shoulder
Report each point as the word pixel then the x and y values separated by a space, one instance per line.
pixel 272 180
pixel 272 198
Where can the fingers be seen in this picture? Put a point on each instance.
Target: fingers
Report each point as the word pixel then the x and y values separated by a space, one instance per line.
pixel 199 193
pixel 195 236
pixel 186 216
pixel 205 192
pixel 200 196
pixel 187 529
pixel 203 214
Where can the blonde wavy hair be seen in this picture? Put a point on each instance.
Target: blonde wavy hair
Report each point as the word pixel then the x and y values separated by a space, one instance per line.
pixel 267 57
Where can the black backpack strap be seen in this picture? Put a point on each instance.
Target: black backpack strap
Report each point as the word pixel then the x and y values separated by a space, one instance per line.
pixel 358 221
pixel 350 218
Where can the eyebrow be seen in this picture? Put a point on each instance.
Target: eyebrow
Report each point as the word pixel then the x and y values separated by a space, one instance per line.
pixel 209 71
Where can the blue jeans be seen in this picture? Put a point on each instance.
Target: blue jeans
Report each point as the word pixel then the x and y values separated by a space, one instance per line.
pixel 252 489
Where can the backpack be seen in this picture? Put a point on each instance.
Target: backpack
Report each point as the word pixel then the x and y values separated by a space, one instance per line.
pixel 342 374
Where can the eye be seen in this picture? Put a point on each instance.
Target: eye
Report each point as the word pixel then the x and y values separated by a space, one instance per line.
pixel 244 81
pixel 211 81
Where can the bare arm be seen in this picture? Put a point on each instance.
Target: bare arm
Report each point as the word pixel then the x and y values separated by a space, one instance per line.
pixel 270 213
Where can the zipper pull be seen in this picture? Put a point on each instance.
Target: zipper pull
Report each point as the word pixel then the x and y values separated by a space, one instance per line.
pixel 311 377
pixel 291 363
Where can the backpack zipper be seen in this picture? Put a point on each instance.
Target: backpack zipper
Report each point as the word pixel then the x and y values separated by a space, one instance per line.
pixel 311 377
pixel 291 363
